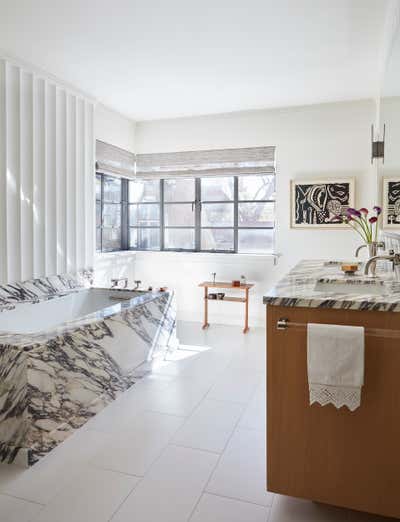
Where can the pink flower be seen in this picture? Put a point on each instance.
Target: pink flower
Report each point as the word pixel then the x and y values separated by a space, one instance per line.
pixel 364 210
pixel 373 219
pixel 378 210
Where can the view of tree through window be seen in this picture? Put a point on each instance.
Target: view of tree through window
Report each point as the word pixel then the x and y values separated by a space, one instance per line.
pixel 210 214
pixel 108 213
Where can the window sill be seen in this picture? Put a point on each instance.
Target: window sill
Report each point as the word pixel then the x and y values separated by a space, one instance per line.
pixel 214 256
pixel 117 253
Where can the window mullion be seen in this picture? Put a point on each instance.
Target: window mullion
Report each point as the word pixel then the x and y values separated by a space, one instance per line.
pixel 162 225
pixel 102 212
pixel 197 219
pixel 124 215
pixel 235 213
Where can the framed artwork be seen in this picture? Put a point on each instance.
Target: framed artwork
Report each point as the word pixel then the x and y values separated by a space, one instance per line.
pixel 319 203
pixel 391 203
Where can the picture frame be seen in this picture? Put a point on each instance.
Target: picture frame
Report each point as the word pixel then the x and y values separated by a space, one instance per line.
pixel 391 203
pixel 316 202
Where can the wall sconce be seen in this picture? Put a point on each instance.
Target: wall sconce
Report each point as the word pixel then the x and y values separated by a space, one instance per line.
pixel 377 147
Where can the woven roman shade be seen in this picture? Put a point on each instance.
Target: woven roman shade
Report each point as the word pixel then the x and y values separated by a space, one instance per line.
pixel 232 162
pixel 113 160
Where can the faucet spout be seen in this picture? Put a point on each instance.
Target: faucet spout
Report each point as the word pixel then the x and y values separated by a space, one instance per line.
pixel 375 244
pixel 359 248
pixel 394 258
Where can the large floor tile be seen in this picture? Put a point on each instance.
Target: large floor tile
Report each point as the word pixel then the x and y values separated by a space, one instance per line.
pixel 203 366
pixel 93 495
pixel 210 425
pixel 116 415
pixel 179 398
pixel 17 510
pixel 255 414
pixel 250 360
pixel 171 489
pixel 141 441
pixel 223 336
pixel 241 472
pixel 220 509
pixel 42 481
pixel 235 385
pixel 288 509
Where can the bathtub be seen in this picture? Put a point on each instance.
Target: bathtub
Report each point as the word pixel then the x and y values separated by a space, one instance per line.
pixel 51 314
pixel 66 351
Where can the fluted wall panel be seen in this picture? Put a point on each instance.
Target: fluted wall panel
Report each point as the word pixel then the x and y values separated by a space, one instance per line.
pixel 3 179
pixel 46 176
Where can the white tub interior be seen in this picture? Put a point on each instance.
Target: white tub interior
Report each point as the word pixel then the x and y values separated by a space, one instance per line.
pixel 47 315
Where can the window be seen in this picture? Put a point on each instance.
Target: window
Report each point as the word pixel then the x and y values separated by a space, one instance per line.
pixel 179 214
pixel 109 210
pixel 211 214
pixel 144 214
pixel 256 213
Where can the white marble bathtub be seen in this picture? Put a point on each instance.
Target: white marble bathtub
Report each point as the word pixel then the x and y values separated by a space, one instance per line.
pixel 66 351
pixel 50 314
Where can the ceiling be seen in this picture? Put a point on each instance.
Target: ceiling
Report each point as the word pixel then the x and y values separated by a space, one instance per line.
pixel 152 59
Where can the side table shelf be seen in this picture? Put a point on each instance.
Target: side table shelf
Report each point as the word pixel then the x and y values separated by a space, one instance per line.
pixel 226 285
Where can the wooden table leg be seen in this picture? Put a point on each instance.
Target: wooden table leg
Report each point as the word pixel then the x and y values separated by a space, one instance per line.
pixel 205 323
pixel 246 313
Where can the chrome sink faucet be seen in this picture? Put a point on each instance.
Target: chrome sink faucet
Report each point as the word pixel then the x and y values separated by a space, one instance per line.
pixel 391 256
pixel 376 244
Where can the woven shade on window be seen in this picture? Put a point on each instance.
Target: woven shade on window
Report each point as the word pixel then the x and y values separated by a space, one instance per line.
pixel 113 160
pixel 233 162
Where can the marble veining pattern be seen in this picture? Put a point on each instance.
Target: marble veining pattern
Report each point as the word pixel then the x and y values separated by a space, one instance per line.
pixel 316 283
pixel 43 288
pixel 52 382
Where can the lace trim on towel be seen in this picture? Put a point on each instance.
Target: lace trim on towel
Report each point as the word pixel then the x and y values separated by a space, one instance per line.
pixel 337 395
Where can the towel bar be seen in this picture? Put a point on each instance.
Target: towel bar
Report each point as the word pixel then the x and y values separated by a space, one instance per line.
pixel 284 323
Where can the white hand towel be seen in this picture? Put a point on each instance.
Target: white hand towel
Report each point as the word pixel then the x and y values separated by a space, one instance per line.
pixel 335 361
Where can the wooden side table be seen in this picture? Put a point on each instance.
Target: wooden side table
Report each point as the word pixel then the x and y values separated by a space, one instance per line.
pixel 222 285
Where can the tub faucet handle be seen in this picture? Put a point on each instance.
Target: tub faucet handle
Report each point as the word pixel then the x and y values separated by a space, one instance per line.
pixel 137 283
pixel 116 281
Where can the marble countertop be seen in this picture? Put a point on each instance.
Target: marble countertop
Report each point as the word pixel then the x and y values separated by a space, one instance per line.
pixel 321 284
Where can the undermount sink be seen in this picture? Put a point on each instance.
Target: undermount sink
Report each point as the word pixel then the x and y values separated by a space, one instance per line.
pixel 353 286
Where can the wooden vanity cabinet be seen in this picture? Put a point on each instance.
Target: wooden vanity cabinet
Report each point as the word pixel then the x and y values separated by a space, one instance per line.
pixel 338 457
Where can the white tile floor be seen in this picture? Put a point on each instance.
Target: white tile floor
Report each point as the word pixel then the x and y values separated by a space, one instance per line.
pixel 186 444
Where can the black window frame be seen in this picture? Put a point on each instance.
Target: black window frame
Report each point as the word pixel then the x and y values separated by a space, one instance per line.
pixel 124 239
pixel 196 208
pixel 146 227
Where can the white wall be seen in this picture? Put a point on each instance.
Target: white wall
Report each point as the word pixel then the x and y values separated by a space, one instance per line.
pixel 330 140
pixel 390 116
pixel 46 176
pixel 114 128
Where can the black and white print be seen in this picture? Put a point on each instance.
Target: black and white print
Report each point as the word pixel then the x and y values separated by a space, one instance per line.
pixel 320 203
pixel 391 202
